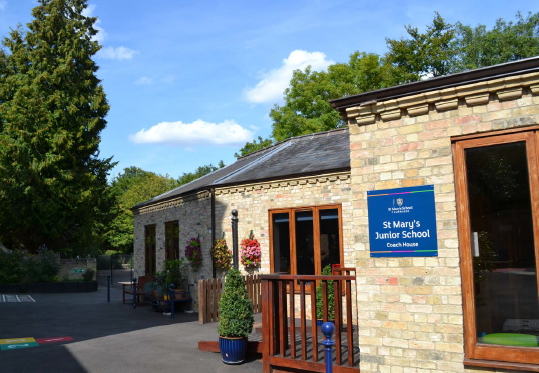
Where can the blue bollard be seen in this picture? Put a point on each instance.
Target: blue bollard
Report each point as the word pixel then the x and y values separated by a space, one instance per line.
pixel 108 288
pixel 134 292
pixel 172 300
pixel 327 330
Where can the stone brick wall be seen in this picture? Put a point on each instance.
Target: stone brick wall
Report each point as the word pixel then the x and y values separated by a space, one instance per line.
pixel 410 310
pixel 66 267
pixel 193 213
pixel 254 201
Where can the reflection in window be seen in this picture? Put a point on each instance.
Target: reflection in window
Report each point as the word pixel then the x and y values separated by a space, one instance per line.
pixel 329 237
pixel 172 243
pixel 281 243
pixel 304 243
pixel 505 282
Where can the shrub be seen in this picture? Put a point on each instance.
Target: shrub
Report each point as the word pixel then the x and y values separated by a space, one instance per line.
pixel 88 275
pixel 331 297
pixel 235 309
pixel 174 270
pixel 12 267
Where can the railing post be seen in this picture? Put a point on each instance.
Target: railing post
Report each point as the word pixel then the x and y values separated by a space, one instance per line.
pixel 172 300
pixel 327 330
pixel 134 292
pixel 108 288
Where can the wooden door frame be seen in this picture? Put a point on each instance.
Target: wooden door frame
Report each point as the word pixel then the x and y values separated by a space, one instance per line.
pixel 473 350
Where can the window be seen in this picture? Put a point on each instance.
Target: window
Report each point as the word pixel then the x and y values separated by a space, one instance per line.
pixel 304 240
pixel 149 249
pixel 497 186
pixel 172 240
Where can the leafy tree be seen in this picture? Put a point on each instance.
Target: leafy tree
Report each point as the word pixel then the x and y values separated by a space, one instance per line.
pixel 130 188
pixel 423 55
pixel 442 49
pixel 187 177
pixel 251 147
pixel 507 41
pixel 307 110
pixel 134 186
pixel 52 111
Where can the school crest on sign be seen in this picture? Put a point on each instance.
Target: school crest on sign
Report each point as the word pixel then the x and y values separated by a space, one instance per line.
pixel 399 201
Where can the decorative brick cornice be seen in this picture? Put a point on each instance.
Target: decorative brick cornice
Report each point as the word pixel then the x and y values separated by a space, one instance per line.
pixel 509 88
pixel 178 201
pixel 326 178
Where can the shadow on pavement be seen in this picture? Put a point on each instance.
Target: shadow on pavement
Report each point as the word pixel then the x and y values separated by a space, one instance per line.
pixel 108 337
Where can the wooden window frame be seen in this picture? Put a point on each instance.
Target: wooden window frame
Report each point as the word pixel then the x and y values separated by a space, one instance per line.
pixel 153 258
pixel 316 234
pixel 473 350
pixel 173 251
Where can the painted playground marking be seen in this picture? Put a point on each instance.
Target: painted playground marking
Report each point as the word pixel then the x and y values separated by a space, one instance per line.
pixel 6 298
pixel 18 343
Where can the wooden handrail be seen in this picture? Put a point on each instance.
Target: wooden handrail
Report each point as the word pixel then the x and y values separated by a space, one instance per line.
pixel 307 277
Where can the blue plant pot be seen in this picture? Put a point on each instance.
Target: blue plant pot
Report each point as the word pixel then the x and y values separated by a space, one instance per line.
pixel 320 322
pixel 233 350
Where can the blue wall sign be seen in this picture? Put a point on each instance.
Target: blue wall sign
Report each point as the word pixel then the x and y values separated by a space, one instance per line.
pixel 402 222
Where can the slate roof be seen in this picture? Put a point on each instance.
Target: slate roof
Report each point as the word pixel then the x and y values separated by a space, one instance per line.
pixel 303 155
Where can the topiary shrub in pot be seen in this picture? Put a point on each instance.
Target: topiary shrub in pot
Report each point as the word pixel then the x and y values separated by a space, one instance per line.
pixel 235 319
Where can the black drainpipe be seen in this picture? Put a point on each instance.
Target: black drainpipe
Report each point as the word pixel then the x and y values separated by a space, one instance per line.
pixel 213 237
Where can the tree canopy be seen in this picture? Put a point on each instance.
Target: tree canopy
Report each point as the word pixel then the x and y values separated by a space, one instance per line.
pixel 52 111
pixel 442 49
pixel 134 186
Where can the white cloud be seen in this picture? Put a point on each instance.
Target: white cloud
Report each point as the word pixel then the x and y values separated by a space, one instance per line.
pixel 192 134
pixel 168 79
pixel 3 4
pixel 144 81
pixel 118 53
pixel 273 83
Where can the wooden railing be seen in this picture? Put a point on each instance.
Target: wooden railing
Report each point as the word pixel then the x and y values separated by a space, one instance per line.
pixel 282 349
pixel 209 294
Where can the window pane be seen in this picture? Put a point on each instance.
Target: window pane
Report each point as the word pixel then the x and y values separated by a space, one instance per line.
pixel 149 250
pixel 281 243
pixel 329 237
pixel 176 240
pixel 304 243
pixel 503 251
pixel 168 240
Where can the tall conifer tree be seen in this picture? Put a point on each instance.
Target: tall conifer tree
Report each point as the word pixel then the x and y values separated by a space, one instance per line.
pixel 52 111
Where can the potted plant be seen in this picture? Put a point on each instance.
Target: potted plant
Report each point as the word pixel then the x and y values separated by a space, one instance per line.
pixel 193 253
pixel 175 275
pixel 221 255
pixel 320 300
pixel 235 319
pixel 251 254
pixel 150 288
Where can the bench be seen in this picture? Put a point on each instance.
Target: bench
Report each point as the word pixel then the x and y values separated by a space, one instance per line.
pixel 128 288
pixel 159 302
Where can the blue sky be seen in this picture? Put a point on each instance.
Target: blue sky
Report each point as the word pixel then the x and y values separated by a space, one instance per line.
pixel 189 82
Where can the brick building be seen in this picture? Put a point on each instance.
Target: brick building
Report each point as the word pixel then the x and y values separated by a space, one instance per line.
pixel 473 138
pixel 301 185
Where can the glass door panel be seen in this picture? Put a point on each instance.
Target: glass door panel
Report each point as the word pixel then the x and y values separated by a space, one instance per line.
pixel 502 244
pixel 281 242
pixel 304 243
pixel 329 238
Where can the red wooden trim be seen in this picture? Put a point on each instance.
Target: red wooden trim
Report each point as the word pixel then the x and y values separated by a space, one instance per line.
pixel 313 324
pixel 292 322
pixel 500 365
pixel 266 325
pixel 303 321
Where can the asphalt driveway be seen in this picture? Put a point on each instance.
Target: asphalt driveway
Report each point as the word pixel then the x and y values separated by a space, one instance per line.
pixel 107 337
